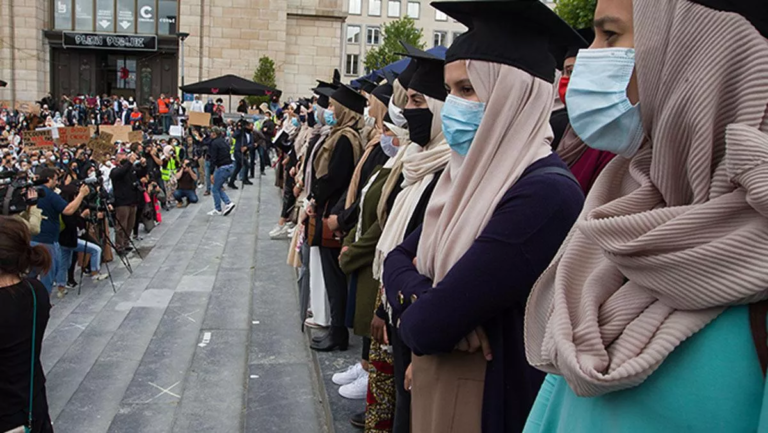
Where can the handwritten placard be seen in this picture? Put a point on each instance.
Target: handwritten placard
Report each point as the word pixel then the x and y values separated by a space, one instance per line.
pixel 119 133
pixel 74 136
pixel 37 138
pixel 102 149
pixel 106 137
pixel 135 137
pixel 199 119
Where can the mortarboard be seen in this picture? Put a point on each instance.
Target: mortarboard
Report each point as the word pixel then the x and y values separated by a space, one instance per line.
pixel 519 33
pixel 350 98
pixel 428 78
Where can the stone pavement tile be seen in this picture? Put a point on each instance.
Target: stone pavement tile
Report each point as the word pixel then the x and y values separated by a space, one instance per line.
pixel 277 338
pixel 334 362
pixel 155 298
pixel 201 283
pixel 230 302
pixel 130 341
pixel 149 418
pixel 279 400
pixel 214 390
pixel 98 398
pixel 169 354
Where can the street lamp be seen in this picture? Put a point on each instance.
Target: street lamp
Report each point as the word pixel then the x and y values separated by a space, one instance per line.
pixel 182 36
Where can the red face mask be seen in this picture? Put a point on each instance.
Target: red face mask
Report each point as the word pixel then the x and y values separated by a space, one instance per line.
pixel 563 87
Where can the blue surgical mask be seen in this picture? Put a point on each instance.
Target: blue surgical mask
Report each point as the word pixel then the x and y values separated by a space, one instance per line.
pixel 66 161
pixel 329 119
pixel 461 119
pixel 295 122
pixel 598 107
pixel 388 145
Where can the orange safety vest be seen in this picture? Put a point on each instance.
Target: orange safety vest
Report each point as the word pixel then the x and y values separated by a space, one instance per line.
pixel 162 106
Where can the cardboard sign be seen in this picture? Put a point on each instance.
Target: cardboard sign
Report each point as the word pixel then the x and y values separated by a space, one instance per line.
pixel 74 136
pixel 199 119
pixel 30 149
pixel 37 138
pixel 27 108
pixel 92 129
pixel 119 133
pixel 176 131
pixel 135 137
pixel 102 149
pixel 106 137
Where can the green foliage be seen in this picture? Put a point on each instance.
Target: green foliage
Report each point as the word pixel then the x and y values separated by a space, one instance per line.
pixel 578 13
pixel 403 29
pixel 265 74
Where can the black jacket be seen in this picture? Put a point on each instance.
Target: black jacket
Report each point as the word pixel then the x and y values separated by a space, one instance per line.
pixel 243 138
pixel 219 152
pixel 123 181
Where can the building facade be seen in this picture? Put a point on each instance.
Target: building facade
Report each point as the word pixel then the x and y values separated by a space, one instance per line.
pixel 362 30
pixel 133 48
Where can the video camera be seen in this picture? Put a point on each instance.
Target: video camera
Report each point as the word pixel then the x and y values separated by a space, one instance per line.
pixel 14 192
pixel 94 200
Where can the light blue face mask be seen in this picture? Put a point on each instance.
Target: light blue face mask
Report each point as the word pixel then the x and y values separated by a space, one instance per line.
pixel 461 119
pixel 295 122
pixel 329 119
pixel 598 107
pixel 388 145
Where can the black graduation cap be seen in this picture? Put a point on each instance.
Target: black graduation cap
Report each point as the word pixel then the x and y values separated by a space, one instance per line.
pixel 378 79
pixel 561 53
pixel 518 33
pixel 336 77
pixel 391 76
pixel 428 78
pixel 350 98
pixel 324 91
pixel 405 77
pixel 383 93
pixel 366 85
pixel 755 11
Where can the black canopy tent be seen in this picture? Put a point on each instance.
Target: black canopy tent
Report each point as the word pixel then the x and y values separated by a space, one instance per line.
pixel 230 85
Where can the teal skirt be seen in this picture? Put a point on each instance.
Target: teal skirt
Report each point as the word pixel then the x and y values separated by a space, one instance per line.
pixel 711 383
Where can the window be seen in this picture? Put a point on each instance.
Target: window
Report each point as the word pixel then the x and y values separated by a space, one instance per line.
pixel 147 16
pixel 373 36
pixel 374 8
pixel 414 10
pixel 440 38
pixel 167 17
pixel 353 34
pixel 352 65
pixel 393 8
pixel 84 15
pixel 63 15
pixel 440 16
pixel 355 6
pixel 105 15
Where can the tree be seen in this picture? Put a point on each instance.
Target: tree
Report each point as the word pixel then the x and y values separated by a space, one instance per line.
pixel 403 29
pixel 578 13
pixel 265 74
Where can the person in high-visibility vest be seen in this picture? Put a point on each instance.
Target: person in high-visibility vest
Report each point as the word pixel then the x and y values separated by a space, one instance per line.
pixel 167 171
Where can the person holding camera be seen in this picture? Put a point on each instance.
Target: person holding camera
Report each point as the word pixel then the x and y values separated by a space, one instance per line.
pixel 221 162
pixel 53 207
pixel 186 184
pixel 243 144
pixel 126 189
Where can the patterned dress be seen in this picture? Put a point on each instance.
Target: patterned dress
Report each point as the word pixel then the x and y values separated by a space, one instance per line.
pixel 380 408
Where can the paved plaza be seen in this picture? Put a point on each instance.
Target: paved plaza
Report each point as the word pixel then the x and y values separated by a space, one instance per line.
pixel 204 336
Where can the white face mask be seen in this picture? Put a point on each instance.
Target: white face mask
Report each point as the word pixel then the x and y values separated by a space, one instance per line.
pixel 396 113
pixel 92 175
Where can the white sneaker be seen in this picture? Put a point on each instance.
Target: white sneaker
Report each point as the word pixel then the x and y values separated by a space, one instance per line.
pixel 214 213
pixel 349 375
pixel 228 210
pixel 99 277
pixel 275 230
pixel 357 390
pixel 281 234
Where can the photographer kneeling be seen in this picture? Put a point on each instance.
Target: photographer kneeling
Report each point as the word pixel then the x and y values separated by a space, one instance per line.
pixel 186 184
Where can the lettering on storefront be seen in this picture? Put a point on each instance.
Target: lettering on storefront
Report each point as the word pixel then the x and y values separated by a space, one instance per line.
pixel 109 41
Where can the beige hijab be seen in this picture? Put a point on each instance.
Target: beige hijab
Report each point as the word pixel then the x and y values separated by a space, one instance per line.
pixel 673 236
pixel 348 124
pixel 514 134
pixel 377 111
pixel 418 166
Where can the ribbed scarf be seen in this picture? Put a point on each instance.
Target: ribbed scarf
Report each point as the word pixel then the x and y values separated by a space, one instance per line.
pixel 673 236
pixel 348 124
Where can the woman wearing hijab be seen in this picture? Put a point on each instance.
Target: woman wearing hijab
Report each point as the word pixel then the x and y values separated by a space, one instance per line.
pixel 499 212
pixel 333 167
pixel 652 316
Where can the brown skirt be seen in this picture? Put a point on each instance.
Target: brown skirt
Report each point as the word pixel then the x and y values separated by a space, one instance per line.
pixel 448 393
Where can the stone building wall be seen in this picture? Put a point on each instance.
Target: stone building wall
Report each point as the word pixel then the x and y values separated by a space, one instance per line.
pixel 24 53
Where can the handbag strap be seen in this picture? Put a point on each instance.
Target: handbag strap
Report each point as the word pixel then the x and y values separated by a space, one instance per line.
pixel 28 427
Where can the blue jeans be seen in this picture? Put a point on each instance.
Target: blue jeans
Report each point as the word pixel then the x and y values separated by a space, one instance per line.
pixel 220 177
pixel 179 194
pixel 48 279
pixel 166 121
pixel 207 176
pixel 68 253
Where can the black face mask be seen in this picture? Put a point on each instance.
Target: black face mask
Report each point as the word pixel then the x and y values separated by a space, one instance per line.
pixel 311 120
pixel 419 124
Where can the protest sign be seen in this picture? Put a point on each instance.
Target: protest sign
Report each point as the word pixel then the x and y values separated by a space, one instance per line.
pixel 74 136
pixel 37 138
pixel 119 133
pixel 106 137
pixel 135 137
pixel 176 131
pixel 199 119
pixel 102 149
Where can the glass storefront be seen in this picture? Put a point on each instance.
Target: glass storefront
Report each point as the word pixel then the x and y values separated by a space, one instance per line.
pixel 117 16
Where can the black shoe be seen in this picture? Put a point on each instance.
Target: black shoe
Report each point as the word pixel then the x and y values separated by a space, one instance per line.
pixel 263 174
pixel 319 337
pixel 232 185
pixel 358 420
pixel 337 338
pixel 247 182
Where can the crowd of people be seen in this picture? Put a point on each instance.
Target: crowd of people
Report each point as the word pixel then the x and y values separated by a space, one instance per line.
pixel 546 230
